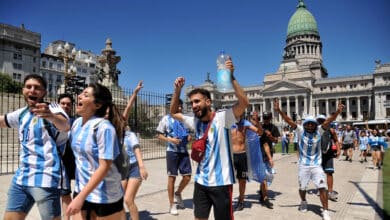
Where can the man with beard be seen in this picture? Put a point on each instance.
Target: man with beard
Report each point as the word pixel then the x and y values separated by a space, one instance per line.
pixel 310 156
pixel 42 129
pixel 214 176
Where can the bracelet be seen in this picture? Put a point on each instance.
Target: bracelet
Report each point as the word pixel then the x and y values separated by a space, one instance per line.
pixel 233 78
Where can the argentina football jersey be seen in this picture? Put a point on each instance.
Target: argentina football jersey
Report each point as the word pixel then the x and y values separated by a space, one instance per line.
pixel 40 146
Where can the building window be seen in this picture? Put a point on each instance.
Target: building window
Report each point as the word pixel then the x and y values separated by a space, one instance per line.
pixel 59 66
pixel 17 66
pixel 353 102
pixel 59 78
pixel 17 76
pixel 51 65
pixel 17 56
pixel 34 59
pixel 34 69
pixel 44 64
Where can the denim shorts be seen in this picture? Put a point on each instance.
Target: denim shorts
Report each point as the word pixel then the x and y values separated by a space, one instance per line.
pixel 134 171
pixel 178 162
pixel 22 198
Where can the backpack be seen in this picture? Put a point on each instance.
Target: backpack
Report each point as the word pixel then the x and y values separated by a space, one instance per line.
pixel 326 141
pixel 122 161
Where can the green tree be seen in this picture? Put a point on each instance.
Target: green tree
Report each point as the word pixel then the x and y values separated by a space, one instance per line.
pixel 7 84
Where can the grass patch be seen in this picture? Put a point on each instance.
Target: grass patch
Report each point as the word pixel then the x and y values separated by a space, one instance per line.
pixel 386 186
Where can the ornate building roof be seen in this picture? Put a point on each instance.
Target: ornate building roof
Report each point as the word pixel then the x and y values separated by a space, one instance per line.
pixel 302 22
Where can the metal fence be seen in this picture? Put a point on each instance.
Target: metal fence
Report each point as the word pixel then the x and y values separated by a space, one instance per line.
pixel 145 115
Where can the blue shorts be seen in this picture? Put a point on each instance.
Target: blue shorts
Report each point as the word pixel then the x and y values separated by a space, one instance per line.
pixel 178 162
pixel 134 171
pixel 22 198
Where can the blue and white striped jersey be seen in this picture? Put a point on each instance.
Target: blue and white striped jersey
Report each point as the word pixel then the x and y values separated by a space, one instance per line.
pixel 131 142
pixel 310 153
pixel 40 164
pixel 89 145
pixel 216 168
pixel 174 128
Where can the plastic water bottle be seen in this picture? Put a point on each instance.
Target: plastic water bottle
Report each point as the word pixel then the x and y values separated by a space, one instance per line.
pixel 223 74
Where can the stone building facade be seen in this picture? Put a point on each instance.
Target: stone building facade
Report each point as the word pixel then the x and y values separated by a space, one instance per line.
pixel 303 87
pixel 20 51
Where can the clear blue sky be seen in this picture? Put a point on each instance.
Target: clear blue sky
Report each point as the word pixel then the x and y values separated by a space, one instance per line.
pixel 159 40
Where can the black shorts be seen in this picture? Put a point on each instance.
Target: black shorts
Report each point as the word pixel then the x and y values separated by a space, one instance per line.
pixel 327 162
pixel 347 146
pixel 241 165
pixel 375 147
pixel 100 209
pixel 220 197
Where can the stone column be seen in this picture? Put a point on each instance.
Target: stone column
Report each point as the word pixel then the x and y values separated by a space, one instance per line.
pixel 327 107
pixel 304 105
pixel 264 105
pixel 347 103
pixel 317 107
pixel 358 108
pixel 369 107
pixel 296 105
pixel 288 105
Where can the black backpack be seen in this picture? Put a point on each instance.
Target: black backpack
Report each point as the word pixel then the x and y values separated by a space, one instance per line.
pixel 122 161
pixel 326 141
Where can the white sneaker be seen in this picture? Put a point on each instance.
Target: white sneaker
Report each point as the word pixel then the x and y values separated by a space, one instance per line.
pixel 179 201
pixel 173 210
pixel 325 215
pixel 303 206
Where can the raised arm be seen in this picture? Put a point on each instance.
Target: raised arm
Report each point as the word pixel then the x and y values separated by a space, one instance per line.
pixel 2 122
pixel 178 85
pixel 333 117
pixel 284 116
pixel 242 99
pixel 131 101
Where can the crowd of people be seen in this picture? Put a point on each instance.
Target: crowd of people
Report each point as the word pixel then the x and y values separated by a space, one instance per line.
pixel 57 147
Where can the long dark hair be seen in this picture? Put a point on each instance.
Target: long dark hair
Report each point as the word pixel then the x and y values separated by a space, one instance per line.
pixel 108 109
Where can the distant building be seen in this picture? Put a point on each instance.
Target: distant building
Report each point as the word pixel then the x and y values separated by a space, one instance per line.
pixel 20 51
pixel 53 66
pixel 302 85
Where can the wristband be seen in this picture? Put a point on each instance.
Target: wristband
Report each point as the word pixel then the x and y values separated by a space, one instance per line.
pixel 233 78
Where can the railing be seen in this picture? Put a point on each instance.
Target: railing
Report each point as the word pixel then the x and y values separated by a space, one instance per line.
pixel 145 115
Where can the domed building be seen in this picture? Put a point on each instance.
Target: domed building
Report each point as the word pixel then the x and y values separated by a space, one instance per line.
pixel 302 85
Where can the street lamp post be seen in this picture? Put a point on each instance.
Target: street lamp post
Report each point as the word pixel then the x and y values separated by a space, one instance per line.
pixel 68 55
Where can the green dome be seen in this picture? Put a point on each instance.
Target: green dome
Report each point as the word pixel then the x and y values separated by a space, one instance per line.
pixel 302 22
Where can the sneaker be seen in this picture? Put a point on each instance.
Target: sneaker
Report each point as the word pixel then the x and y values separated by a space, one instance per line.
pixel 332 196
pixel 303 206
pixel 239 206
pixel 267 203
pixel 365 160
pixel 325 215
pixel 179 201
pixel 350 160
pixel 173 210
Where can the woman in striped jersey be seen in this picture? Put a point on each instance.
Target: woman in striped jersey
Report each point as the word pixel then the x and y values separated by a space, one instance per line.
pixel 94 140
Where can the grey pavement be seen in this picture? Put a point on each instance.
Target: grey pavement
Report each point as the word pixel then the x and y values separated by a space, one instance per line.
pixel 359 188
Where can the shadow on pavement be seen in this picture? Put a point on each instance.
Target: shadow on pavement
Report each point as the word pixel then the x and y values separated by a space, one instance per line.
pixel 370 201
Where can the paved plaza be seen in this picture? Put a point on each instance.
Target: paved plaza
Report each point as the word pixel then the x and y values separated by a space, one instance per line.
pixel 359 187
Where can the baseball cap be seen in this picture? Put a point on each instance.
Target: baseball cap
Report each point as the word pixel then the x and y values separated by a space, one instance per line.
pixel 310 118
pixel 321 116
pixel 267 115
